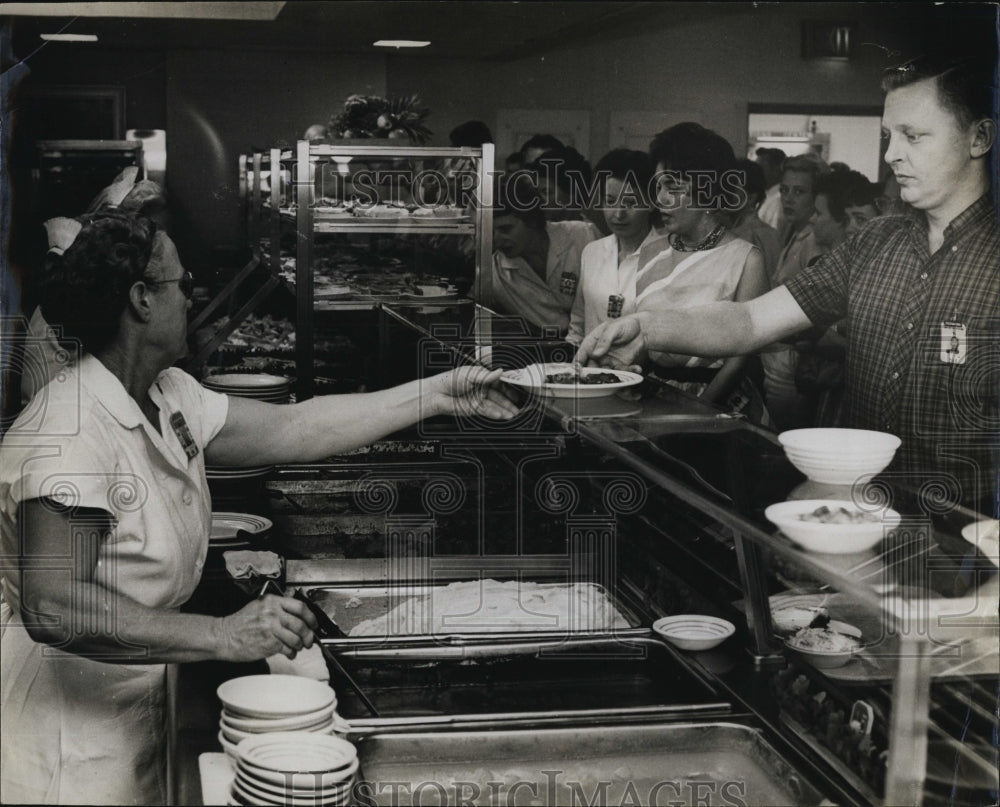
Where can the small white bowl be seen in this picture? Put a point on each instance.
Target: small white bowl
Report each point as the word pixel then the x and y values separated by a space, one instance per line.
pixel 274 696
pixel 834 539
pixel 694 631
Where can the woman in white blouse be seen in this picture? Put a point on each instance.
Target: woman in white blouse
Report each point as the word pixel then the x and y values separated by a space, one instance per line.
pixel 608 266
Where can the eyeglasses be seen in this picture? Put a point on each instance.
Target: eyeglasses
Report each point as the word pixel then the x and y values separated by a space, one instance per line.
pixel 185 283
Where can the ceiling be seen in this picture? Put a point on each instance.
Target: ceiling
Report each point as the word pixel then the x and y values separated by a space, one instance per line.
pixel 477 30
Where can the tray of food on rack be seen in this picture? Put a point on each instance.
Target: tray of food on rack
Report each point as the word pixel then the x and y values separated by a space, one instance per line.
pixel 474 609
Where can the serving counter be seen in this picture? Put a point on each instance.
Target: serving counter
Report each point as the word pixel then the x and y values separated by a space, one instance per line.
pixel 658 501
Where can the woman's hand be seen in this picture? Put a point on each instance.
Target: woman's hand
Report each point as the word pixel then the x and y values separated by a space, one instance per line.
pixel 266 626
pixel 468 391
pixel 615 343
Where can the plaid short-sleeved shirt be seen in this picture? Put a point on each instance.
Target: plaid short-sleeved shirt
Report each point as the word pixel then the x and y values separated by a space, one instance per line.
pixel 923 356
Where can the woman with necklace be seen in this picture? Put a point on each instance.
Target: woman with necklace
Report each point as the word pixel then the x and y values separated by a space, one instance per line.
pixel 698 260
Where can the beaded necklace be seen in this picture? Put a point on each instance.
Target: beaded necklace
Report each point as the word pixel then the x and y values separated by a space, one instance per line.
pixel 707 242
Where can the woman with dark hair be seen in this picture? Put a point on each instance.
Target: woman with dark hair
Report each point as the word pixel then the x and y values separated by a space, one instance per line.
pixel 105 470
pixel 563 178
pixel 608 266
pixel 536 263
pixel 698 260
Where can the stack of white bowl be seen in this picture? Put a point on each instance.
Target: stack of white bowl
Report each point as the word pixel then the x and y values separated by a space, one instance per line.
pixel 263 704
pixel 839 456
pixel 259 386
pixel 295 769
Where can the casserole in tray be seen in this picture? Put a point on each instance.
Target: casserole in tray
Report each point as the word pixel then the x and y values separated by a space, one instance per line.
pixel 475 610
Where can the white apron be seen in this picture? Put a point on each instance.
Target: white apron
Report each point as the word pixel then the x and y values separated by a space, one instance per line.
pixel 76 730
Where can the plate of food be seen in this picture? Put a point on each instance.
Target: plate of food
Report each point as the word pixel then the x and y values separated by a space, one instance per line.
pixel 826 647
pixel 564 380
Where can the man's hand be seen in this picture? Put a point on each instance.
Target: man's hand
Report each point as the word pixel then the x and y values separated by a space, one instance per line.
pixel 468 391
pixel 615 343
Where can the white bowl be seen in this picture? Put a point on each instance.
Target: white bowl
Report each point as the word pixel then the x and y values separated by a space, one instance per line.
pixel 255 725
pixel 834 539
pixel 825 659
pixel 824 473
pixel 839 456
pixel 694 631
pixel 854 461
pixel 234 735
pixel 297 752
pixel 274 696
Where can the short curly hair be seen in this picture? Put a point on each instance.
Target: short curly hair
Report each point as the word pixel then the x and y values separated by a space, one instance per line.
pixel 85 290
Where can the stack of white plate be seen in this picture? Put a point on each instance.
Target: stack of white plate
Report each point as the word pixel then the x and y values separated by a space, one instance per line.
pixel 227 529
pixel 264 704
pixel 220 472
pixel 260 386
pixel 294 768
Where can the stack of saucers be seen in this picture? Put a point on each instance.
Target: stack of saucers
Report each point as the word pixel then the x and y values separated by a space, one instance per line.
pixel 234 530
pixel 294 768
pixel 260 386
pixel 264 704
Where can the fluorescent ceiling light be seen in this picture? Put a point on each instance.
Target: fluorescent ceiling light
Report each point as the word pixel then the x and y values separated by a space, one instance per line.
pixel 69 37
pixel 400 43
pixel 194 10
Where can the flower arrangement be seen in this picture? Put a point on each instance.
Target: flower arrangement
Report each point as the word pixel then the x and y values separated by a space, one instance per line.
pixel 372 116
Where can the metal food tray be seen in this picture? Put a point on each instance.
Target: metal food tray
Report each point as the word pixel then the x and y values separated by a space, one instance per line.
pixel 600 677
pixel 350 604
pixel 711 763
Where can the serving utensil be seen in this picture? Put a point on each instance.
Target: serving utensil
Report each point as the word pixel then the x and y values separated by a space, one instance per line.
pixel 326 629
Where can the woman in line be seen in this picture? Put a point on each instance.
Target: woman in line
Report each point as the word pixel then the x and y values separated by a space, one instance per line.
pixel 844 203
pixel 699 260
pixel 608 266
pixel 105 507
pixel 536 263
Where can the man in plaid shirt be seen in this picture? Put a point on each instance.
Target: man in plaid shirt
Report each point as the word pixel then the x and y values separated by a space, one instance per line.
pixel 921 291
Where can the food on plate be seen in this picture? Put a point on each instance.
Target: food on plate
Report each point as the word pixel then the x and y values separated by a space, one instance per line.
pixel 790 618
pixel 822 640
pixel 488 606
pixel 577 378
pixel 838 515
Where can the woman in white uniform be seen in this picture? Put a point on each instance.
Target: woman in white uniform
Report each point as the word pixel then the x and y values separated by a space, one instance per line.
pixel 106 515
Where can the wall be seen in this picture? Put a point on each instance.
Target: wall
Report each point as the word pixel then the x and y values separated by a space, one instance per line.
pixel 715 63
pixel 222 103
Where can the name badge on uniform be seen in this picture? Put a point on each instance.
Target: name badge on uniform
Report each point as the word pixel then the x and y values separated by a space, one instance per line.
pixel 180 427
pixel 954 343
pixel 567 283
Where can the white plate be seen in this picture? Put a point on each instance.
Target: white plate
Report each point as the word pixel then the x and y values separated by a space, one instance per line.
pixel 274 696
pixel 533 377
pixel 309 760
pixel 246 381
pixel 215 472
pixel 227 525
pixel 257 725
pixel 255 793
pixel 236 735
pixel 985 535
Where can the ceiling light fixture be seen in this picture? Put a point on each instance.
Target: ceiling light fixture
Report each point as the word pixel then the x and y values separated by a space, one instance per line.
pixel 69 37
pixel 400 43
